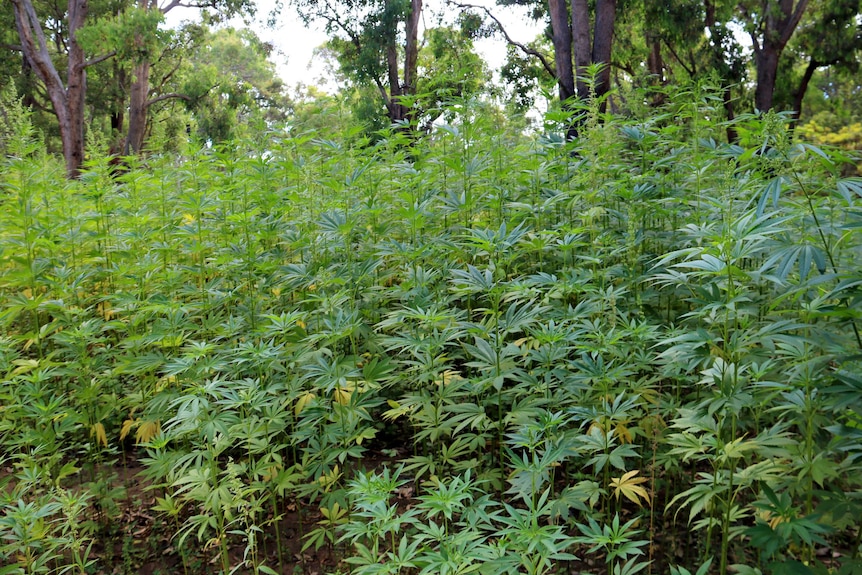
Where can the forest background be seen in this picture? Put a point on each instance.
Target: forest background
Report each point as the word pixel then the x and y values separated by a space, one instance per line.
pixel 597 314
pixel 116 67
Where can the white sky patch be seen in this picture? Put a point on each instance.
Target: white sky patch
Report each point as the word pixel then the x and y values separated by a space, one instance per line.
pixel 295 44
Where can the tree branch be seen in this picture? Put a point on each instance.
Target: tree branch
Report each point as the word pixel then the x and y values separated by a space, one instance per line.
pixel 791 24
pixel 386 99
pixel 36 49
pixel 169 96
pixel 170 74
pixel 170 6
pixel 99 59
pixel 628 69
pixel 755 43
pixel 332 19
pixel 677 58
pixel 525 49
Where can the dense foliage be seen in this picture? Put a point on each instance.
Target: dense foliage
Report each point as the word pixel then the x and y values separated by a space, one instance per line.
pixel 475 352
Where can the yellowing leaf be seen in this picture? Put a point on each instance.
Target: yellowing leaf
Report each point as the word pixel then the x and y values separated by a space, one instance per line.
pixel 165 381
pixel 342 394
pixel 188 219
pixel 334 516
pixel 271 472
pixel 99 431
pixel 104 309
pixel 24 366
pixel 327 480
pixel 448 377
pixel 276 291
pixel 630 486
pixel 127 427
pixel 330 513
pixel 147 431
pixel 172 340
pixel 367 433
pixel 624 433
pixel 397 410
pixel 303 402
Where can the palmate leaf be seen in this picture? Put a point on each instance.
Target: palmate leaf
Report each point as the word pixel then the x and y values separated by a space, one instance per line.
pixel 98 430
pixel 473 280
pixel 630 486
pixel 782 261
pixel 700 497
pixel 707 263
pixel 770 194
pixel 703 570
pixel 576 497
pixel 848 187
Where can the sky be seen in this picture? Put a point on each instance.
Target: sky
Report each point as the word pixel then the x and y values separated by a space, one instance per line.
pixel 295 44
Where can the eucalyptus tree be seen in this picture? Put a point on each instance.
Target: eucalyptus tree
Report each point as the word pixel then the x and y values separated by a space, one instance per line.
pixel 770 25
pixel 230 82
pixel 828 37
pixel 140 97
pixel 47 55
pixel 582 39
pixel 366 42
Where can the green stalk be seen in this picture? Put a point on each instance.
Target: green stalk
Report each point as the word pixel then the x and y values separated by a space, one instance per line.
pixel 845 300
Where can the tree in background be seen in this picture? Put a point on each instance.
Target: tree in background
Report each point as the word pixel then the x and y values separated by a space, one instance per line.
pixel 770 25
pixel 132 34
pixel 368 53
pixel 233 84
pixel 829 36
pixel 366 43
pixel 39 55
pixel 449 70
pixel 140 96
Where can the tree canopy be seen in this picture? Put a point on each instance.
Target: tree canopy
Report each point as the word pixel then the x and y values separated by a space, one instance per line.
pixel 110 71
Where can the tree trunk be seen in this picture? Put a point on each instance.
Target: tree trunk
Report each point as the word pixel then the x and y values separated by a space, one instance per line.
pixel 655 64
pixel 411 47
pixel 118 111
pixel 76 86
pixel 581 29
pixel 780 18
pixel 562 39
pixel 138 108
pixel 396 109
pixel 603 36
pixel 799 93
pixel 411 57
pixel 723 68
pixel 655 67
pixel 67 101
pixel 138 94
pixel 766 62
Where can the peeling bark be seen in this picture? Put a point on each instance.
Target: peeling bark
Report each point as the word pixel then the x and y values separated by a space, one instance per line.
pixel 67 99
